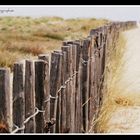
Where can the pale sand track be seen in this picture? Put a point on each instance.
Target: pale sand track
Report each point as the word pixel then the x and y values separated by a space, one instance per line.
pixel 126 119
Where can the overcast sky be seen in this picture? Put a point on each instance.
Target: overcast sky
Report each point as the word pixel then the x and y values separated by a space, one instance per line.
pixel 110 12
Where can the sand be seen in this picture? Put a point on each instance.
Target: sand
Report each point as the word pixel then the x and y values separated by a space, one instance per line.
pixel 126 119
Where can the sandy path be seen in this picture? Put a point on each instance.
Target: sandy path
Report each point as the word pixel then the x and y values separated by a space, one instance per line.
pixel 131 68
pixel 127 119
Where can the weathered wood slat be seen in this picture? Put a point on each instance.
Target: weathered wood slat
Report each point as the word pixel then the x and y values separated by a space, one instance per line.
pixel 96 76
pixel 18 95
pixel 85 82
pixel 92 95
pixel 63 94
pixel 59 94
pixel 69 121
pixel 30 126
pixel 39 94
pixel 74 73
pixel 55 81
pixel 5 108
pixel 78 97
pixel 46 105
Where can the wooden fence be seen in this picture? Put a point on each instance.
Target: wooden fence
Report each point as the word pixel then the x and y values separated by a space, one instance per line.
pixel 62 94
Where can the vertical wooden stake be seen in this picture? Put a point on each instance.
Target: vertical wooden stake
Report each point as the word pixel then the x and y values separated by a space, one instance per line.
pixel 45 57
pixel 18 95
pixel 78 95
pixel 69 91
pixel 55 83
pixel 63 94
pixel 5 96
pixel 29 96
pixel 39 94
pixel 85 81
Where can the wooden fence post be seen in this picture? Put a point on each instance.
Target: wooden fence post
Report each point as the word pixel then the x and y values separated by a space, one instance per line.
pixel 58 101
pixel 45 57
pixel 18 95
pixel 102 69
pixel 55 83
pixel 29 96
pixel 39 94
pixel 63 94
pixel 92 105
pixel 96 75
pixel 69 90
pixel 85 81
pixel 78 95
pixel 73 99
pixel 5 110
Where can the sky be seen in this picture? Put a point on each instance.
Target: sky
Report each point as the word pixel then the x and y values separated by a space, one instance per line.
pixel 116 13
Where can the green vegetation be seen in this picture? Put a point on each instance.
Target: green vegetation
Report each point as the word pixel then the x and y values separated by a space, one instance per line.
pixel 25 37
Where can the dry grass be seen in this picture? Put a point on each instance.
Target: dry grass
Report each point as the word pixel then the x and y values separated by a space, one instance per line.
pixel 25 36
pixel 114 94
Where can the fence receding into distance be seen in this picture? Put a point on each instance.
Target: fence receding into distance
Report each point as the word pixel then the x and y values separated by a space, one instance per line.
pixel 62 93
